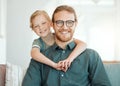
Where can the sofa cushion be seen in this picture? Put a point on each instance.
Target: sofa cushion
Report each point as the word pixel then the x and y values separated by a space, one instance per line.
pixel 113 71
pixel 14 75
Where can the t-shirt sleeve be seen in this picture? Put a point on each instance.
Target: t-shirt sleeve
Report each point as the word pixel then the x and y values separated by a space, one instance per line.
pixel 36 44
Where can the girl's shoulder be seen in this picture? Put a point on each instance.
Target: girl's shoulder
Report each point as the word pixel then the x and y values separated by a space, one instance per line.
pixel 37 42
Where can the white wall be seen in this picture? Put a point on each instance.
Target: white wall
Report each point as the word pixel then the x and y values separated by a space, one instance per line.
pixel 117 30
pixel 20 37
pixel 3 31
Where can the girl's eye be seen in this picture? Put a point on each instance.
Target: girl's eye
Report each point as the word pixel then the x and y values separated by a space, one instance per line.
pixel 36 26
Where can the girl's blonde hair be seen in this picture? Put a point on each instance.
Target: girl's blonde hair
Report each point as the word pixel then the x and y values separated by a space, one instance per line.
pixel 37 13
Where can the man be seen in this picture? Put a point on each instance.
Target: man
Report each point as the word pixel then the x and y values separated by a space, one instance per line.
pixel 86 70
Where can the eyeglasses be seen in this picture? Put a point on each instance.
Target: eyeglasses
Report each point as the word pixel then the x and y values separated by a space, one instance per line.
pixel 69 23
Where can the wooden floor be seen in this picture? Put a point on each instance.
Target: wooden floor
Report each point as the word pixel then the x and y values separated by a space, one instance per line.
pixel 2 75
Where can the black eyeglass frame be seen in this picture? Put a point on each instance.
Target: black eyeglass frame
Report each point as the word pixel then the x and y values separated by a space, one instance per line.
pixel 60 23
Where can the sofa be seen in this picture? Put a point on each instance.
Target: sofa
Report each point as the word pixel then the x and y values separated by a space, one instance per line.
pixel 12 75
pixel 113 71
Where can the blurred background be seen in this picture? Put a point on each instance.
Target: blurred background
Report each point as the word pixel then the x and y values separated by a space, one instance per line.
pixel 98 26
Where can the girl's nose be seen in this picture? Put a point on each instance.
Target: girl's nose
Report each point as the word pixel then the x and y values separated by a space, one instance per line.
pixel 39 27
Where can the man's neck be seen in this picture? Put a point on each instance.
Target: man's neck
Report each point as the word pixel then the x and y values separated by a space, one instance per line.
pixel 61 43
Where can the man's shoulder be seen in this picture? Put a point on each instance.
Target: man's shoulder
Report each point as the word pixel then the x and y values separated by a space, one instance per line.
pixel 92 54
pixel 90 51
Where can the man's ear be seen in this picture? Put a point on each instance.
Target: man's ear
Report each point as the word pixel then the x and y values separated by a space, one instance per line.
pixel 76 23
pixel 51 24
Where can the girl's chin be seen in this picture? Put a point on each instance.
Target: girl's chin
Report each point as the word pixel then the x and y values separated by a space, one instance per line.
pixel 43 35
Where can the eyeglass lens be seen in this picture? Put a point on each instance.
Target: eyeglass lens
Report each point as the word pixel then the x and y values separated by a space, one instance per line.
pixel 60 23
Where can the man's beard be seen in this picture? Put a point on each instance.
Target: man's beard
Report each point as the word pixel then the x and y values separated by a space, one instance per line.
pixel 64 38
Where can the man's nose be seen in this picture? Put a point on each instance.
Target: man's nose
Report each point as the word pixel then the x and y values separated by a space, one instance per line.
pixel 65 26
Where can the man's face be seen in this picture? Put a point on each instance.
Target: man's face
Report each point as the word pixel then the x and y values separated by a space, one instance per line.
pixel 64 25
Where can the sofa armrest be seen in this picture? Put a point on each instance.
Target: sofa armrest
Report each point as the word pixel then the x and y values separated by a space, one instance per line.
pixel 2 74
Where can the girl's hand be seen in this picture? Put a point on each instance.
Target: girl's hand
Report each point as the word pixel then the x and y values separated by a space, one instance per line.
pixel 65 64
pixel 57 66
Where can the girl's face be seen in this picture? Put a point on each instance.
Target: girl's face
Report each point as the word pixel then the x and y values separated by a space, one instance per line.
pixel 41 25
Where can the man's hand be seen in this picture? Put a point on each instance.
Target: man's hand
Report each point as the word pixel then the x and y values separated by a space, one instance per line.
pixel 65 64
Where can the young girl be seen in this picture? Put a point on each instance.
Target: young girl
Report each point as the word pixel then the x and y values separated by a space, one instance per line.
pixel 40 23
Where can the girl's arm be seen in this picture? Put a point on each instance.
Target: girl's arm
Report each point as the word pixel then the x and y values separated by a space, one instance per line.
pixel 38 56
pixel 80 47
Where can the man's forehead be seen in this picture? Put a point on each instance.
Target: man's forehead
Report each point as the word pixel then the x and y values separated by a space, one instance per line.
pixel 64 15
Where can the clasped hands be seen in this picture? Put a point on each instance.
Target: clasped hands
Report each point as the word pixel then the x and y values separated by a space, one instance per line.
pixel 63 65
